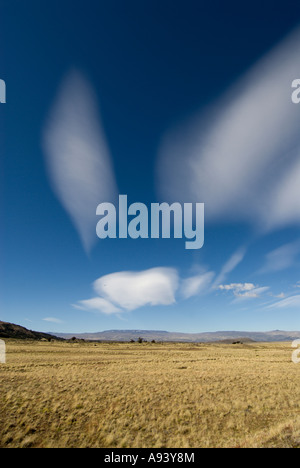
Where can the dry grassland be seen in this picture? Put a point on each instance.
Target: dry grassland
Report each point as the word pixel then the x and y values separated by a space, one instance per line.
pixel 149 395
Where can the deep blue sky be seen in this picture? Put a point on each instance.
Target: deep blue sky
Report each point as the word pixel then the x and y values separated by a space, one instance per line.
pixel 153 64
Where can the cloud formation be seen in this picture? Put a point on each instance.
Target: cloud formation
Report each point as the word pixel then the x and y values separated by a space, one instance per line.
pixel 241 157
pixel 52 320
pixel 98 304
pixel 281 258
pixel 244 290
pixel 195 285
pixel 289 302
pixel 130 290
pixel 77 155
pixel 230 265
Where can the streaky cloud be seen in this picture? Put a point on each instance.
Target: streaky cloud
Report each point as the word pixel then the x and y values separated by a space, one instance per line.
pixel 52 320
pixel 289 302
pixel 281 258
pixel 197 284
pixel 241 156
pixel 98 304
pixel 236 258
pixel 77 156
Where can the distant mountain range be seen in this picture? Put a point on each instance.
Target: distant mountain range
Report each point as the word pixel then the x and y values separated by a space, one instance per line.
pixel 159 335
pixel 11 330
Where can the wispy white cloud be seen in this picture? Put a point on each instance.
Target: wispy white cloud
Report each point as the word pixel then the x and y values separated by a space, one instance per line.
pixel 52 320
pixel 77 155
pixel 98 304
pixel 230 265
pixel 241 157
pixel 237 287
pixel 289 302
pixel 279 296
pixel 196 284
pixel 281 258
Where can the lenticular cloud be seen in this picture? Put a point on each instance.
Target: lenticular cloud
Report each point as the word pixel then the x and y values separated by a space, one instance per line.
pixel 241 157
pixel 131 290
pixel 77 156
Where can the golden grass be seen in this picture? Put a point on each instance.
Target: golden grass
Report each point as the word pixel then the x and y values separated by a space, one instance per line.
pixel 149 395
